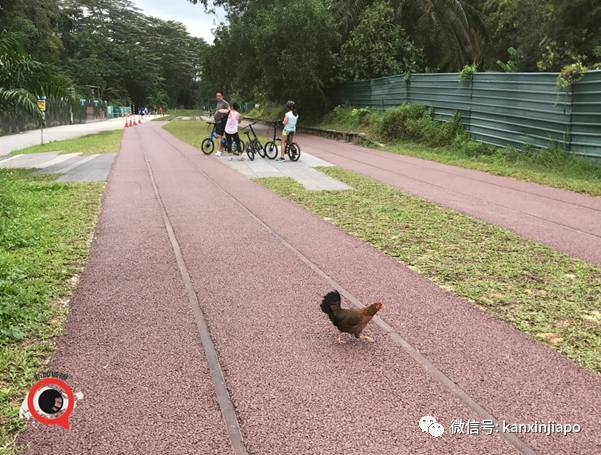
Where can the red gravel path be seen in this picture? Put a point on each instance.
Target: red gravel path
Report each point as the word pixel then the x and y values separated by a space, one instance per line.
pixel 259 266
pixel 568 221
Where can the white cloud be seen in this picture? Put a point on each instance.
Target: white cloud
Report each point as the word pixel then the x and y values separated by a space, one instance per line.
pixel 197 21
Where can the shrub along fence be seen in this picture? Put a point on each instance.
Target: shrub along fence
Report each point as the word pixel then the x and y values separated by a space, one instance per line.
pixel 503 109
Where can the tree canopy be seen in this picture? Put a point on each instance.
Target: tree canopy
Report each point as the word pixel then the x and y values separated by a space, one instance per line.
pixel 105 49
pixel 277 49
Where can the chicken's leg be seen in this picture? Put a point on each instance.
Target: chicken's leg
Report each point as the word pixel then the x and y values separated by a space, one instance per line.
pixel 339 338
pixel 366 338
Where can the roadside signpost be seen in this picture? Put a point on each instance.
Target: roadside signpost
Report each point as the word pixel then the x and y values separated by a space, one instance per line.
pixel 42 108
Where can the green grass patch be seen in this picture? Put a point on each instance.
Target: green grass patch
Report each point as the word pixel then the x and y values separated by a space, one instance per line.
pixel 194 131
pixel 190 131
pixel 411 130
pixel 552 297
pixel 104 142
pixel 45 229
pixel 551 167
pixel 172 114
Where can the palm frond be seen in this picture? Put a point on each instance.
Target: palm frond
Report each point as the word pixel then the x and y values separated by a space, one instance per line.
pixel 19 99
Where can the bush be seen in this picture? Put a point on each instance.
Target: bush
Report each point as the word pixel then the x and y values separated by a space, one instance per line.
pixel 415 122
pixel 570 74
pixel 343 116
pixel 472 149
pixel 467 73
pixel 394 123
pixel 360 113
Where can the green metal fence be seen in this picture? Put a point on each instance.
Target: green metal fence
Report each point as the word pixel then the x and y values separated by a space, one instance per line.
pixel 498 108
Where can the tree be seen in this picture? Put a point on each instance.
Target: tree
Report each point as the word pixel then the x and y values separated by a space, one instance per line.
pixel 572 34
pixel 509 25
pixel 128 56
pixel 347 13
pixel 33 24
pixel 449 31
pixel 379 47
pixel 22 78
pixel 566 31
pixel 278 50
pixel 295 44
pixel 232 62
pixel 180 60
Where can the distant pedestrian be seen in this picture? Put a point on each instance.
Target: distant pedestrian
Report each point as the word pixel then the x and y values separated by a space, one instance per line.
pixel 222 110
pixel 231 129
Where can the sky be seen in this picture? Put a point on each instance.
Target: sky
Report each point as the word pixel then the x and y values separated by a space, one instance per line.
pixel 192 16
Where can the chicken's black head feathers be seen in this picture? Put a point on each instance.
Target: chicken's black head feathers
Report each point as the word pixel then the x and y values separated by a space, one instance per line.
pixel 330 299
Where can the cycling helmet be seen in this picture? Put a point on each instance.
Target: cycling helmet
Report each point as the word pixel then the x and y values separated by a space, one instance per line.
pixel 290 104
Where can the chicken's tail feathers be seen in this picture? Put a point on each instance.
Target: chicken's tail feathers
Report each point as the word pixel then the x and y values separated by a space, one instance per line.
pixel 331 298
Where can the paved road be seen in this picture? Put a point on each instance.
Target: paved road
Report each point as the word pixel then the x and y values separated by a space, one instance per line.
pixel 70 166
pixel 186 244
pixel 565 220
pixel 14 142
pixel 302 171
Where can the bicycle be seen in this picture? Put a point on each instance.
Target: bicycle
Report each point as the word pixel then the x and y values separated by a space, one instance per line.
pixel 292 149
pixel 254 144
pixel 208 144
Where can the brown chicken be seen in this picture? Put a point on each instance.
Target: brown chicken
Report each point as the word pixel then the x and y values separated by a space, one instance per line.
pixel 351 321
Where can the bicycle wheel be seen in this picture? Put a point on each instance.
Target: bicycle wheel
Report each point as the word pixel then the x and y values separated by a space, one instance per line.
pixel 294 151
pixel 259 149
pixel 235 149
pixel 207 146
pixel 271 150
pixel 250 152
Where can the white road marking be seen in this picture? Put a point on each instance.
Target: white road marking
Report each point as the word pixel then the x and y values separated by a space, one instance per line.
pixel 77 164
pixel 57 160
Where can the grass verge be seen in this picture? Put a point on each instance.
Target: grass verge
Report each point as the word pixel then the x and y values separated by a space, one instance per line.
pixel 104 142
pixel 550 167
pixel 194 131
pixel 174 113
pixel 540 291
pixel 190 131
pixel 411 130
pixel 45 229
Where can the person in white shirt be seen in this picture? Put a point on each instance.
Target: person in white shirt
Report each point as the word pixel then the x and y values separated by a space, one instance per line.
pixel 290 120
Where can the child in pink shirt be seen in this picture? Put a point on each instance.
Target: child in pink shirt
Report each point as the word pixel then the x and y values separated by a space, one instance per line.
pixel 231 129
